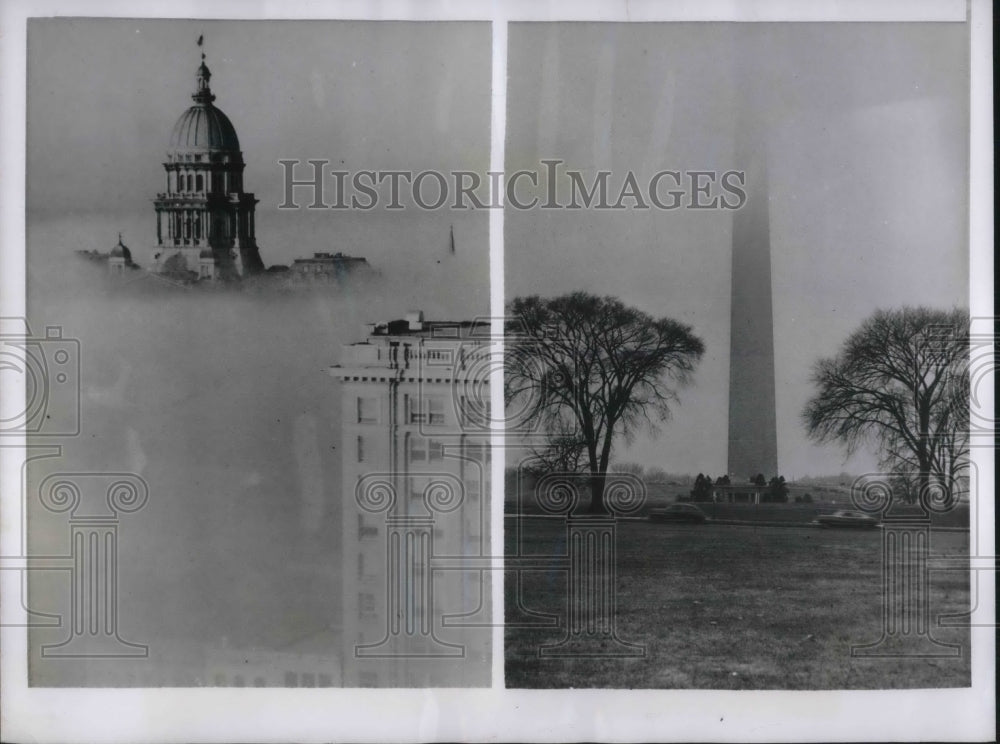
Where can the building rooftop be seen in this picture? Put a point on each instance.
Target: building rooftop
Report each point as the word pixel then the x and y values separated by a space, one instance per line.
pixel 413 324
pixel 435 348
pixel 328 258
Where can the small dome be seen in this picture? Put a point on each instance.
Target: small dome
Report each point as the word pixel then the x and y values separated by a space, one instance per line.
pixel 204 127
pixel 121 250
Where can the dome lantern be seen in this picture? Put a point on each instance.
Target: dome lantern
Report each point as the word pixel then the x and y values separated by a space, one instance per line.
pixel 203 94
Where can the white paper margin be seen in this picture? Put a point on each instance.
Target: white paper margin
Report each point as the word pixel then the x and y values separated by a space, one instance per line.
pixel 207 714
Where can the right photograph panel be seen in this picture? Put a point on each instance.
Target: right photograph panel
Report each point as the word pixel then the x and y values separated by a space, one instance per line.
pixel 736 366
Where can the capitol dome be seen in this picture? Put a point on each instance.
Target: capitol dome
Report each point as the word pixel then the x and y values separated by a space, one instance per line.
pixel 204 218
pixel 203 126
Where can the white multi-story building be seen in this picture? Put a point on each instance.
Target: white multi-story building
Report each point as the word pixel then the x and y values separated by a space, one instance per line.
pixel 415 413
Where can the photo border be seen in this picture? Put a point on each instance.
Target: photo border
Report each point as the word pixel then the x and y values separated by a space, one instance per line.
pixel 206 714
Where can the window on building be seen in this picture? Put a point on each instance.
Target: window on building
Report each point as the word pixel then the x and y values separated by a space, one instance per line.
pixel 220 680
pixel 291 679
pixel 435 450
pixel 439 355
pixel 418 450
pixel 413 413
pixel 475 414
pixel 190 183
pixel 368 679
pixel 325 680
pixel 238 681
pixel 365 529
pixel 367 410
pixel 435 409
pixel 199 182
pixel 361 565
pixel 361 449
pixel 308 679
pixel 259 682
pixel 429 409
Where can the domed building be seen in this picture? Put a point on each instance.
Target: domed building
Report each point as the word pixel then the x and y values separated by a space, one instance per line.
pixel 205 220
pixel 120 258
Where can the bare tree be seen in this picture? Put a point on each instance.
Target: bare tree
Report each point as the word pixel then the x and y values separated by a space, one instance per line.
pixel 563 449
pixel 900 382
pixel 605 368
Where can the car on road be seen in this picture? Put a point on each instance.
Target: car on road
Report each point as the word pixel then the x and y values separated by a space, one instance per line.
pixel 688 513
pixel 846 518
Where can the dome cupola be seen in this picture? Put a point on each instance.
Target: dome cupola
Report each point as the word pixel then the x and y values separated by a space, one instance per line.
pixel 204 126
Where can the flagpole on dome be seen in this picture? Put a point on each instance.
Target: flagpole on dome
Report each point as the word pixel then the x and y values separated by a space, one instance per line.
pixel 203 94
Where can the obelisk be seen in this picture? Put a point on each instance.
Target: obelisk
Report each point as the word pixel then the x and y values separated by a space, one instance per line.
pixel 753 437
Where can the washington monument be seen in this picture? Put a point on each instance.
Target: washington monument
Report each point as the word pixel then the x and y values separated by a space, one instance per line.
pixel 753 438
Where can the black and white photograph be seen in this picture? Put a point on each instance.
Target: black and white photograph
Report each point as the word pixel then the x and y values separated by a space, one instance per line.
pixel 737 285
pixel 262 357
pixel 429 371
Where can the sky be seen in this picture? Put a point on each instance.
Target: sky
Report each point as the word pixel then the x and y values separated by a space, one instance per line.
pixel 865 132
pixel 103 96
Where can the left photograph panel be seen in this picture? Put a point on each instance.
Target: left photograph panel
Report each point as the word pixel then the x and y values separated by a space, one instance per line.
pixel 257 354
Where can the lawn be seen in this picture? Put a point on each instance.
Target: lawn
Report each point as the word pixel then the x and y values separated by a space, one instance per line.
pixel 733 607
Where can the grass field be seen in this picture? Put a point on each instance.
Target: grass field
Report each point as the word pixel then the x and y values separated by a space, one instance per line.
pixel 734 607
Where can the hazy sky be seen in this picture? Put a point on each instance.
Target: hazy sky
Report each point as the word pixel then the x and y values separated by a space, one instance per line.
pixel 865 130
pixel 103 96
